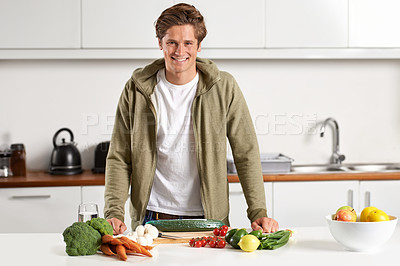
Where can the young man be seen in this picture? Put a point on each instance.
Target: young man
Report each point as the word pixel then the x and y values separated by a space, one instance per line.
pixel 169 142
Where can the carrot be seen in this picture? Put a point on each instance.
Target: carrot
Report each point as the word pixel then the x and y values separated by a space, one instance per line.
pixel 121 251
pixel 126 242
pixel 116 241
pixel 107 238
pixel 130 245
pixel 148 247
pixel 142 249
pixel 113 248
pixel 105 248
pixel 130 251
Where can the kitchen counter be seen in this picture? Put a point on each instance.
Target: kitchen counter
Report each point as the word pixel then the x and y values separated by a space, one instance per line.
pixel 88 178
pixel 43 179
pixel 308 246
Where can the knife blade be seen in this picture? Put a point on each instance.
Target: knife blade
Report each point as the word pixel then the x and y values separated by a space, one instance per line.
pixel 168 236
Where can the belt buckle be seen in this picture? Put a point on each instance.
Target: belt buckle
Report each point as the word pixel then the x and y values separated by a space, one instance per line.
pixel 157 216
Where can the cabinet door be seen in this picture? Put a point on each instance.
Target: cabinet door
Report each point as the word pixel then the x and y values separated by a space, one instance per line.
pixel 374 23
pixel 381 194
pixel 120 23
pixel 307 203
pixel 95 194
pixel 233 23
pixel 38 210
pixel 40 24
pixel 238 206
pixel 306 23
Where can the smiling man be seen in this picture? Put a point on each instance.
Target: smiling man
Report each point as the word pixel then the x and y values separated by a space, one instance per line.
pixel 169 142
pixel 180 47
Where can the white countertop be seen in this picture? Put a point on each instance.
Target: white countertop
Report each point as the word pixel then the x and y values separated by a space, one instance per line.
pixel 308 246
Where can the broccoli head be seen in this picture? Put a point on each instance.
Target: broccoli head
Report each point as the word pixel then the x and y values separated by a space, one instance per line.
pixel 81 239
pixel 101 225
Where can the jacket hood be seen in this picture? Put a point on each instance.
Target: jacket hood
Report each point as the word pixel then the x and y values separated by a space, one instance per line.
pixel 145 78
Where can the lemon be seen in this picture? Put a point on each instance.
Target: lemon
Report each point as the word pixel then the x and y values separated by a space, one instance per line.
pixel 249 243
pixel 365 212
pixel 377 216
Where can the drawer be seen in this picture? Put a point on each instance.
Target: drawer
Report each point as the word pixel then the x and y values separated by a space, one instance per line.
pixel 38 210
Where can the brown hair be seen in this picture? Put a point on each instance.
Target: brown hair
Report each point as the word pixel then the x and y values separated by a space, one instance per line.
pixel 181 14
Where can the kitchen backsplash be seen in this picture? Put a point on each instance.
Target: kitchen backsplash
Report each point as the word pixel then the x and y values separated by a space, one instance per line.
pixel 288 99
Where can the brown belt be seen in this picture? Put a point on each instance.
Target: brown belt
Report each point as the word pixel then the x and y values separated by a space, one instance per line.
pixel 165 216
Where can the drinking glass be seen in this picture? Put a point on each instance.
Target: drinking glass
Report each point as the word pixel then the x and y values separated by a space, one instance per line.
pixel 87 211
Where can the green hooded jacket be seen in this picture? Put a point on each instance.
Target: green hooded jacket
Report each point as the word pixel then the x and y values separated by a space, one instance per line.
pixel 219 112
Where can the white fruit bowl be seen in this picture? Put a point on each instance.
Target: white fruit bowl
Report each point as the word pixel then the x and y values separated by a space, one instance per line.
pixel 362 236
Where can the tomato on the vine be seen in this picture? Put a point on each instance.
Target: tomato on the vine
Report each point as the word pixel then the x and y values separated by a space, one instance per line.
pixel 212 244
pixel 224 227
pixel 221 243
pixel 216 232
pixel 212 241
pixel 223 232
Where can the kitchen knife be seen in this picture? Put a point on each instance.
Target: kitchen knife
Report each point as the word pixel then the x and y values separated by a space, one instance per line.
pixel 168 236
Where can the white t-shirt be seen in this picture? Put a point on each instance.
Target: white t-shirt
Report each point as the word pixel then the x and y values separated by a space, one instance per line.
pixel 176 187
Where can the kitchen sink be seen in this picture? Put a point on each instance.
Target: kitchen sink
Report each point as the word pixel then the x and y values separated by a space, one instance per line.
pixel 318 168
pixel 357 168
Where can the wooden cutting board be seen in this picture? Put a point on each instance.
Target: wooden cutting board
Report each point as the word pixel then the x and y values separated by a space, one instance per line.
pixel 184 237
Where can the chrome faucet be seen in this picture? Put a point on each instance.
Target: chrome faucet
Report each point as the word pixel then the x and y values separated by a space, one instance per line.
pixel 336 157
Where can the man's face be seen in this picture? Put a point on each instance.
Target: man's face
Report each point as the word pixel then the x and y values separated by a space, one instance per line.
pixel 180 49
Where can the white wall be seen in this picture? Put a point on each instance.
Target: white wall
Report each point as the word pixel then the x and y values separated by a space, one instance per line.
pixel 287 99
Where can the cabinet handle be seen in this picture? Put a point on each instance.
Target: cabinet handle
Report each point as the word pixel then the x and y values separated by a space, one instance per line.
pixel 367 198
pixel 350 195
pixel 31 197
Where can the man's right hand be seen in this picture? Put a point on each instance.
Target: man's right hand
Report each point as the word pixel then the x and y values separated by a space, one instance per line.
pixel 118 226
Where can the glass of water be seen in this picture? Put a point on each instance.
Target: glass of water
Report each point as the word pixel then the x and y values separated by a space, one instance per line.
pixel 87 211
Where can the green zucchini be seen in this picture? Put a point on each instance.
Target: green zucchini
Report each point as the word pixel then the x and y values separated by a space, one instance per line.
pixel 236 238
pixel 186 225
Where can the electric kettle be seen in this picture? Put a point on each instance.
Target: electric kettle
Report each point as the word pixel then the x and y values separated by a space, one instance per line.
pixel 65 158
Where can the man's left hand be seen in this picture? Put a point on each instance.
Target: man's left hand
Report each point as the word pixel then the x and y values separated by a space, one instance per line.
pixel 267 225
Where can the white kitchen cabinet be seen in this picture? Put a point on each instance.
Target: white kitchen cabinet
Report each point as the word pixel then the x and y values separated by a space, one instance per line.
pixel 233 23
pixel 95 194
pixel 40 24
pixel 38 210
pixel 381 194
pixel 238 206
pixel 307 203
pixel 306 23
pixel 120 23
pixel 374 23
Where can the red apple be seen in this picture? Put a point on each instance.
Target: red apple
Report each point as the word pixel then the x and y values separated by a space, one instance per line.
pixel 346 215
pixel 345 208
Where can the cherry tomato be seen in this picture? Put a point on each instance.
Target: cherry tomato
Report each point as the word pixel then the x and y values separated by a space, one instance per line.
pixel 203 243
pixel 198 244
pixel 212 244
pixel 216 232
pixel 223 232
pixel 221 243
pixel 224 227
pixel 191 242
